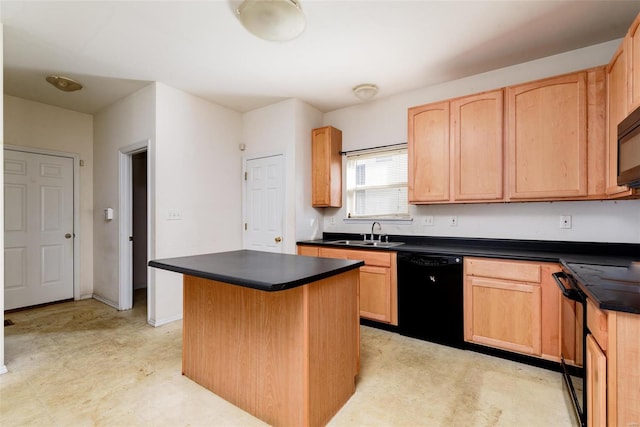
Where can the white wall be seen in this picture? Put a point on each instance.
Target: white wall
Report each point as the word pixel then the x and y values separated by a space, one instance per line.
pixel 309 220
pixel 198 171
pixel 285 128
pixel 36 125
pixel 384 122
pixel 126 122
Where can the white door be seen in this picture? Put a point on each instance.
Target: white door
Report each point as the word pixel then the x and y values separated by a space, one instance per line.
pixel 38 228
pixel 264 205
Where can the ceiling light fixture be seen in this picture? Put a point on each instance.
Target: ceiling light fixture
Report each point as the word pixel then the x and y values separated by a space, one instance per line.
pixel 365 92
pixel 64 83
pixel 274 20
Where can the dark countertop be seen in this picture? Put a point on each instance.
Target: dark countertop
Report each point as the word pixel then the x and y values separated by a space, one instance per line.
pixel 569 254
pixel 614 288
pixel 259 270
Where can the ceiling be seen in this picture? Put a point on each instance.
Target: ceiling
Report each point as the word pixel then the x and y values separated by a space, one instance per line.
pixel 115 48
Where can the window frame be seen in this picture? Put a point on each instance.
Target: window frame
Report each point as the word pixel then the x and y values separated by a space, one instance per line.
pixel 352 186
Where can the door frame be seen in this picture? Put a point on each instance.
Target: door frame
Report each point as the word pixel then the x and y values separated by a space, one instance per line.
pixel 257 156
pixel 125 224
pixel 76 205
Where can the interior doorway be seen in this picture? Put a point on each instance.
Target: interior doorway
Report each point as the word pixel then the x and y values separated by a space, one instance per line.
pixel 139 227
pixel 134 222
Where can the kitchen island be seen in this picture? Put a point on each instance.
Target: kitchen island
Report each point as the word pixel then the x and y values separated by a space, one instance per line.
pixel 276 335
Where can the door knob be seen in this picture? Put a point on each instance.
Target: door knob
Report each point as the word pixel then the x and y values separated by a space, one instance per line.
pixel 67 236
pixel 278 239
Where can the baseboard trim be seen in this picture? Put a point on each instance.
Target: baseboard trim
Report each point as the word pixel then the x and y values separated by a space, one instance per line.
pixel 155 323
pixel 106 301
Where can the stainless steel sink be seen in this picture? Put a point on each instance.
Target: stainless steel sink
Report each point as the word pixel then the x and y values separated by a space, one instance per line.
pixel 366 243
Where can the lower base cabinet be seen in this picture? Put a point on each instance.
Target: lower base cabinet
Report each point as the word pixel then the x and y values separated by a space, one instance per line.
pixel 378 294
pixel 596 364
pixel 612 367
pixel 503 306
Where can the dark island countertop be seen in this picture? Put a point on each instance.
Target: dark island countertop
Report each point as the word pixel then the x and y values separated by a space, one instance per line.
pixel 265 271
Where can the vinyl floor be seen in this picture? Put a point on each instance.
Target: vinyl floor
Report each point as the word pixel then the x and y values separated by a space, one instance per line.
pixel 83 363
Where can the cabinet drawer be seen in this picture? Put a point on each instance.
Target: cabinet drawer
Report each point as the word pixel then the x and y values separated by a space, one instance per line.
pixel 381 259
pixel 597 324
pixel 503 269
pixel 308 250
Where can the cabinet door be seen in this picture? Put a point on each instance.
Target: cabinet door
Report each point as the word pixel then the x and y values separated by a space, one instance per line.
pixel 633 46
pixel 503 314
pixel 326 167
pixel 551 300
pixel 596 387
pixel 616 111
pixel 428 153
pixel 476 123
pixel 375 293
pixel 547 138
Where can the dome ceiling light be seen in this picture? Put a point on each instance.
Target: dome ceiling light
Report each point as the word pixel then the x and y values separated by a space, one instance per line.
pixel 64 83
pixel 365 92
pixel 273 20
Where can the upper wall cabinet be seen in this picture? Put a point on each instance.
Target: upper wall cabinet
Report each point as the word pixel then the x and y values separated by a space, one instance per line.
pixel 429 153
pixel 477 128
pixel 633 64
pixel 623 96
pixel 455 150
pixel 547 138
pixel 326 167
pixel 617 107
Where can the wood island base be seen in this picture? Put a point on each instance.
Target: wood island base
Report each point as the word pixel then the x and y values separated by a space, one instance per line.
pixel 288 357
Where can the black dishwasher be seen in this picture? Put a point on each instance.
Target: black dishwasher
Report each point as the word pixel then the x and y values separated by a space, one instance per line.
pixel 430 297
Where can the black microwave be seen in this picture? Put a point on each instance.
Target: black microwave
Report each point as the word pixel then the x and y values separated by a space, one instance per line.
pixel 629 150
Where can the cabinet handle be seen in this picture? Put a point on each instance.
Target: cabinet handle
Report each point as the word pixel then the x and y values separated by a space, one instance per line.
pixel 278 239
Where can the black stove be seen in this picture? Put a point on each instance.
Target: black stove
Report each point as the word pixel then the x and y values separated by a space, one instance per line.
pixel 614 287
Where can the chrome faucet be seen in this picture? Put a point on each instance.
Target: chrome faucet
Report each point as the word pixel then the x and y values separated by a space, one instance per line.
pixel 372 227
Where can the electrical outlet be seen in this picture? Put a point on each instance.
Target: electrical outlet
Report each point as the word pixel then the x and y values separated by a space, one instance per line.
pixel 453 221
pixel 565 221
pixel 428 220
pixel 174 214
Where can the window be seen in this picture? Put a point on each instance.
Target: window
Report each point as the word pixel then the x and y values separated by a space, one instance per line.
pixel 377 184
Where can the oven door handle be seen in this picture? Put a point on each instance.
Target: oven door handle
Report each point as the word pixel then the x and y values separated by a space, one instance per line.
pixel 570 292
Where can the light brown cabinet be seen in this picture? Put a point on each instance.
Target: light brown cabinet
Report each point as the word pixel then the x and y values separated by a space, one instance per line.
pixel 571 318
pixel 623 96
pixel 542 140
pixel 477 137
pixel 326 167
pixel 612 367
pixel 378 294
pixel 632 42
pixel 596 386
pixel 503 306
pixel 429 153
pixel 547 138
pixel 455 150
pixel 617 105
